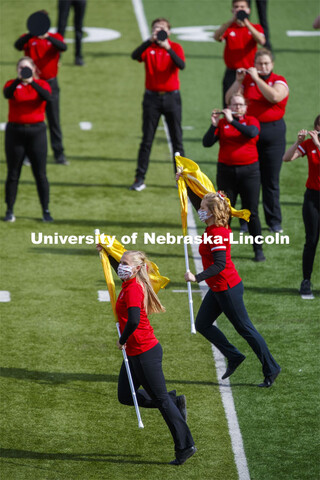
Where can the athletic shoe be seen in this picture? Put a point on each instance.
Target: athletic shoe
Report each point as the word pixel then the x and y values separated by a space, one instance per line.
pixel 183 455
pixel 47 217
pixel 269 380
pixel 61 160
pixel 232 367
pixel 244 228
pixel 138 185
pixel 276 229
pixel 181 403
pixel 9 217
pixel 79 61
pixel 259 256
pixel 305 290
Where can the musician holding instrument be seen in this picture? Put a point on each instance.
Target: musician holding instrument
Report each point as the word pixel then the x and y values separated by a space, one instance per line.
pixel 238 167
pixel 267 95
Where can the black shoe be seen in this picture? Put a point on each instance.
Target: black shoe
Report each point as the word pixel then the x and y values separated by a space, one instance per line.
pixel 244 227
pixel 232 367
pixel 183 455
pixel 9 217
pixel 138 185
pixel 305 290
pixel 61 160
pixel 181 403
pixel 276 229
pixel 259 256
pixel 79 61
pixel 269 380
pixel 47 217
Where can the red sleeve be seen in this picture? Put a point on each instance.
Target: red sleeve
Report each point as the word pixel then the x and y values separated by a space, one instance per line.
pixel 259 28
pixel 225 34
pixel 134 296
pixel 58 36
pixel 303 148
pixel 8 83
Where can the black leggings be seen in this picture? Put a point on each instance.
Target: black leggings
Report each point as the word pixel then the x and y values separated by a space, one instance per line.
pixel 230 302
pixel 31 141
pixel 146 370
pixel 311 218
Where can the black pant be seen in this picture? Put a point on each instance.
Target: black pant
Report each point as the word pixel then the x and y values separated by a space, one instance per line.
pixel 31 141
pixel 154 105
pixel 228 79
pixel 230 302
pixel 311 218
pixel 63 14
pixel 245 181
pixel 146 370
pixel 262 13
pixel 271 147
pixel 53 117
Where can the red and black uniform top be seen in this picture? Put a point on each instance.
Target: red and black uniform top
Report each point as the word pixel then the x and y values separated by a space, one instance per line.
pixel 238 140
pixel 313 154
pixel 241 47
pixel 161 66
pixel 27 102
pixel 142 338
pixel 45 52
pixel 258 105
pixel 217 240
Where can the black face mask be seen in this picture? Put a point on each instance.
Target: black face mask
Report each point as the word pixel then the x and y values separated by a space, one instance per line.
pixel 265 77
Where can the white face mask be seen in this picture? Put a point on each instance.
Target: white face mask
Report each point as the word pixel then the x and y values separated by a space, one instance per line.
pixel 124 271
pixel 203 215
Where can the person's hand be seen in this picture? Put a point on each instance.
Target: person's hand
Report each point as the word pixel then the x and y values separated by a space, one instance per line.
pixel 98 247
pixel 164 44
pixel 121 347
pixel 227 114
pixel 178 175
pixel 215 117
pixel 314 137
pixel 42 37
pixel 302 135
pixel 253 72
pixel 189 277
pixel 26 81
pixel 240 74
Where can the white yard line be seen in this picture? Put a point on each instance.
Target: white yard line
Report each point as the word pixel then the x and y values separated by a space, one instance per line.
pixel 225 388
pixel 103 296
pixel 85 125
pixel 4 296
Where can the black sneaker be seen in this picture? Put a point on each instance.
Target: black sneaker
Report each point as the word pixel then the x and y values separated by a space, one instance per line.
pixel 47 217
pixel 183 455
pixel 305 290
pixel 232 367
pixel 79 61
pixel 244 228
pixel 259 256
pixel 138 185
pixel 181 403
pixel 9 217
pixel 269 380
pixel 276 229
pixel 61 160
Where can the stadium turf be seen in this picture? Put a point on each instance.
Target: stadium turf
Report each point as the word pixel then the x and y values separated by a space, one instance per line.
pixel 59 364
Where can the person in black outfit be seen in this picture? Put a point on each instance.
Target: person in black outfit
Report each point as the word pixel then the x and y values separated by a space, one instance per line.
pixel 63 14
pixel 262 6
pixel 163 59
pixel 26 134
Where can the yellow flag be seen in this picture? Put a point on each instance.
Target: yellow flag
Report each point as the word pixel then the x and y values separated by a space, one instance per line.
pixel 117 250
pixel 109 279
pixel 201 185
pixel 183 195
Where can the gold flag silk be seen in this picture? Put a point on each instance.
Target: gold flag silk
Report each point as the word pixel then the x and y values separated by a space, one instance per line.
pixel 109 280
pixel 201 185
pixel 117 250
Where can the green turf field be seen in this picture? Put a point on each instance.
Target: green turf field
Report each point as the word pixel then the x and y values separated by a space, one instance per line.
pixel 59 363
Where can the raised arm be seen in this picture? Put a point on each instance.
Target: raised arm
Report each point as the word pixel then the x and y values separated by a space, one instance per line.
pixel 293 152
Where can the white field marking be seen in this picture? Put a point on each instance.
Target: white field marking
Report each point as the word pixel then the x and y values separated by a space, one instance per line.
pixel 94 34
pixel 187 127
pixel 2 126
pixel 103 296
pixel 201 33
pixel 85 125
pixel 224 387
pixel 302 33
pixel 4 296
